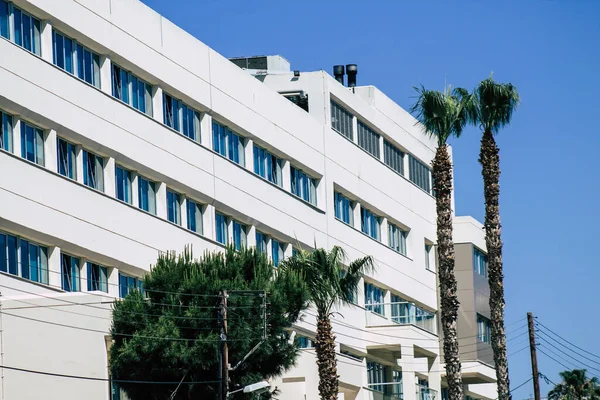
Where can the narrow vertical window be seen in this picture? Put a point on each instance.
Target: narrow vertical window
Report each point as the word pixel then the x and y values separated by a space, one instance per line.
pixel 267 165
pixel 4 19
pixel 374 298
pixel 70 273
pixel 123 184
pixel 93 174
pixel 261 242
pixel 303 185
pixel 368 139
pixel 397 238
pixel 276 252
pixel 393 157
pixel 12 250
pixel 194 216
pixel 480 262
pixel 228 144
pixel 97 277
pixel 146 195
pixel 342 120
pixel 369 223
pixel 239 235
pixel 419 174
pixel 129 283
pixel 66 158
pixel 221 222
pixel 428 256
pixel 26 31
pixel 174 207
pixel 34 261
pixel 6 131
pixel 343 208
pixel 181 117
pixel 32 143
pixel 127 87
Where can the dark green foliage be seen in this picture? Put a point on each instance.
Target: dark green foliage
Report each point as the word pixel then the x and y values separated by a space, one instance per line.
pixel 181 302
pixel 576 385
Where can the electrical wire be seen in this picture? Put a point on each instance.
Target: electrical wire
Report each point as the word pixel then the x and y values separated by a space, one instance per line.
pixel 544 328
pixel 578 361
pixel 553 359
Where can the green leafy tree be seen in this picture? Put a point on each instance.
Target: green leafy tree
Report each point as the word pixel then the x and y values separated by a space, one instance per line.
pixel 329 283
pixel 171 332
pixel 575 385
pixel 443 115
pixel 491 107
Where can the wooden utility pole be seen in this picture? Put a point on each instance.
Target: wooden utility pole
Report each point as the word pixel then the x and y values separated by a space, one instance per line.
pixel 223 353
pixel 534 366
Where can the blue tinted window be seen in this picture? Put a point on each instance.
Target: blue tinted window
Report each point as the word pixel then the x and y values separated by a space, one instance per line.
pixel 343 208
pixel 480 262
pixel 239 235
pixel 70 273
pixel 11 249
pixel 370 223
pixel 181 117
pixel 228 144
pixel 147 195
pixel 128 88
pixel 374 298
pixel 267 165
pixel 97 277
pixel 129 283
pixel 66 158
pixel 26 31
pixel 4 18
pixel 123 184
pixel 30 257
pixel 221 228
pixel 32 143
pixel 6 131
pixel 261 242
pixel 419 173
pixel 93 170
pixel 3 243
pixel 303 185
pixel 397 238
pixel 276 252
pixel 174 207
pixel 194 216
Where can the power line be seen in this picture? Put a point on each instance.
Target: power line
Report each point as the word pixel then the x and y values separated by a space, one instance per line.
pixel 572 344
pixel 553 359
pixel 546 330
pixel 522 384
pixel 568 355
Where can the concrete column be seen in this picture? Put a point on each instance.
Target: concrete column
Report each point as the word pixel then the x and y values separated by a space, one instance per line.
pixel 229 230
pixel 287 252
pixel 113 282
pixel 83 276
pixel 157 104
pixel 406 165
pixel 381 149
pixel 183 210
pixel 249 154
pixel 79 163
pixel 355 129
pixel 435 376
pixel 251 236
pixel 109 177
pixel 383 227
pixel 206 131
pixel 54 269
pixel 50 154
pixel 105 75
pixel 360 293
pixel 356 215
pixel 161 200
pixel 135 196
pixel 409 380
pixel 208 221
pixel 286 179
pixel 46 41
pixel 387 307
pixel 16 139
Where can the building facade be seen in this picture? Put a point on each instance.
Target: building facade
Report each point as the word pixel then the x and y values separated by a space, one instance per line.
pixel 123 136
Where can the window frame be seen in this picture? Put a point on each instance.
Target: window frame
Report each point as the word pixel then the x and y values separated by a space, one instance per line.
pixel 100 272
pixel 174 207
pixel 79 69
pixel 37 138
pixel 74 268
pixel 197 224
pixel 267 165
pixel 303 185
pixel 6 131
pixel 228 143
pixel 221 228
pixel 346 119
pixel 34 43
pixel 69 169
pixel 483 329
pixel 397 238
pixel 341 200
pixel 125 286
pixel 393 157
pixel 480 262
pixel 34 268
pixel 368 139
pixel 277 251
pixel 96 163
pixel 239 234
pixel 419 173
pixel 371 291
pixel 127 180
pixel 131 97
pixel 150 184
pixel 183 112
pixel 370 223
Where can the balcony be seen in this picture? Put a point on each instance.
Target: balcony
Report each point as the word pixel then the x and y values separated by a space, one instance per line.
pixel 426 393
pixel 402 313
pixel 385 391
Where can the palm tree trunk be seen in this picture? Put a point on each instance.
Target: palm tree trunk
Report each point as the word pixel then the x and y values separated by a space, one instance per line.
pixel 490 163
pixel 326 361
pixel 442 184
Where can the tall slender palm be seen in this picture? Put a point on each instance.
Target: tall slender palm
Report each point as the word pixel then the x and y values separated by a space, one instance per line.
pixel 492 106
pixel 444 115
pixel 576 385
pixel 329 283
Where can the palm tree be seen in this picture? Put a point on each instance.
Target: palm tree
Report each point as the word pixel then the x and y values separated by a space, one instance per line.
pixel 329 283
pixel 492 106
pixel 444 115
pixel 575 385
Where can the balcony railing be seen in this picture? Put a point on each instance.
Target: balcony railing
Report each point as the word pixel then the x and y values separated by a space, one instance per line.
pixel 401 313
pixel 426 393
pixel 386 391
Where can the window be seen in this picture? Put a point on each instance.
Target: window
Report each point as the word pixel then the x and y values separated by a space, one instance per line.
pixel 174 207
pixel 428 257
pixel 123 184
pixel 93 170
pixel 397 238
pixel 393 157
pixel 374 298
pixel 480 262
pixel 397 386
pixel 299 99
pixel 239 235
pixel 23 258
pixel 32 143
pixel 26 31
pixel 69 266
pixel 228 144
pixel 267 165
pixel 97 277
pixel 483 329
pixel 341 120
pixel 146 195
pixel 182 118
pixel 277 251
pixel 129 283
pixel 368 139
pixel 221 223
pixel 370 223
pixel 376 376
pixel 76 59
pixel 261 242
pixel 343 208
pixel 117 392
pixel 67 161
pixel 6 126
pixel 131 90
pixel 303 185
pixel 4 19
pixel 194 216
pixel 304 342
pixel 351 355
pixel 419 174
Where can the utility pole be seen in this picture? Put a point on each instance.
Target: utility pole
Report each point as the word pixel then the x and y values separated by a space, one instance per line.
pixel 534 366
pixel 223 353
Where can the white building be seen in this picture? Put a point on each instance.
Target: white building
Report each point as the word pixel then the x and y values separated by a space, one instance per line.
pixel 124 136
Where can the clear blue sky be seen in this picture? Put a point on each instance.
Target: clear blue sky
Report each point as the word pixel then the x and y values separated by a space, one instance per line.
pixel 550 50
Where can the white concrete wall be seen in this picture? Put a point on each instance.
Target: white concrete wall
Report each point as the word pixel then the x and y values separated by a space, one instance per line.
pixel 63 214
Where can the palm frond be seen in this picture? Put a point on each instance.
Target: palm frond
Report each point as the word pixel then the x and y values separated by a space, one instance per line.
pixel 495 104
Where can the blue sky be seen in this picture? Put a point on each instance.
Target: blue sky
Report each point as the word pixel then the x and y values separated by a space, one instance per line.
pixel 548 49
